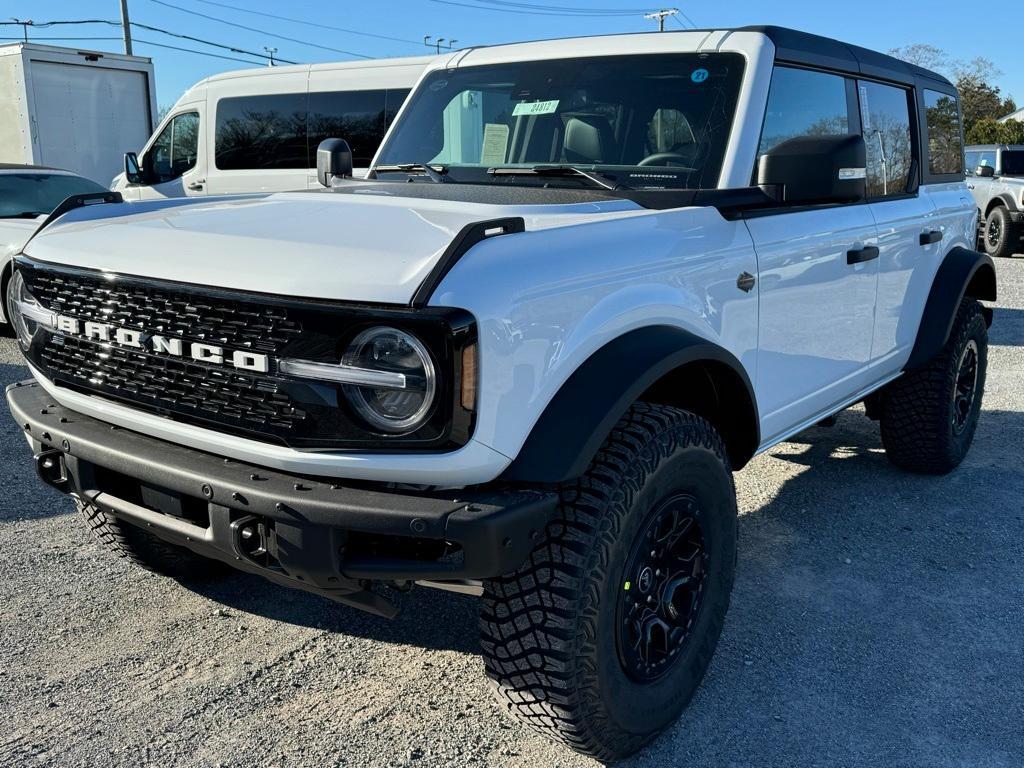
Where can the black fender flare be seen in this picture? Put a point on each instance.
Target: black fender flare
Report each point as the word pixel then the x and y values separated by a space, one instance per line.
pixel 962 273
pixel 1004 200
pixel 582 414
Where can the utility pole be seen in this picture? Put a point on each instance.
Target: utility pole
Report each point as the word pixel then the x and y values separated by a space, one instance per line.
pixel 126 27
pixel 25 24
pixel 439 43
pixel 660 16
pixel 270 52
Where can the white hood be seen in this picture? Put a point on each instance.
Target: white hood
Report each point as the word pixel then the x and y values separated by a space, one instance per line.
pixel 355 247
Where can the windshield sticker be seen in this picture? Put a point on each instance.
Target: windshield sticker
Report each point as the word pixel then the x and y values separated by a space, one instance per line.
pixel 495 144
pixel 535 108
pixel 699 75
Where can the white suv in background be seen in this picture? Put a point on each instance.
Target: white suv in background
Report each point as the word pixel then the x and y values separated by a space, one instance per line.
pixel 256 130
pixel 584 283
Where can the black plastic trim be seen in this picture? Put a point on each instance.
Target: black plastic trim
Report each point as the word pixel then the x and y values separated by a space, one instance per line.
pixel 958 271
pixel 468 236
pixel 493 527
pixel 73 202
pixel 581 416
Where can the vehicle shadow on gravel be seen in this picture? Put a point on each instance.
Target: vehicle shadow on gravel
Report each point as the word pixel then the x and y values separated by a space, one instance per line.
pixel 429 618
pixel 12 373
pixel 1007 328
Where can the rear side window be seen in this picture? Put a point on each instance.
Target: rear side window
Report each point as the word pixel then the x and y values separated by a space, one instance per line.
pixel 1012 163
pixel 804 103
pixel 284 130
pixel 359 117
pixel 885 120
pixel 264 132
pixel 945 147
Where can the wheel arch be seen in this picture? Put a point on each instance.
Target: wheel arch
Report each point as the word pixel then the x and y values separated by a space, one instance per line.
pixel 5 278
pixel 963 273
pixel 659 364
pixel 1000 201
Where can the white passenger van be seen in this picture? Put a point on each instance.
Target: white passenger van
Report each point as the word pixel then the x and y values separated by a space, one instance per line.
pixel 256 130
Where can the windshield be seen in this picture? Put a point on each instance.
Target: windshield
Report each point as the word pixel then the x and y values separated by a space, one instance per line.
pixel 644 121
pixel 28 194
pixel 1013 163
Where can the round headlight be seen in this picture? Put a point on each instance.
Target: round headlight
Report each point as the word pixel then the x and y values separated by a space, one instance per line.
pixel 18 299
pixel 390 408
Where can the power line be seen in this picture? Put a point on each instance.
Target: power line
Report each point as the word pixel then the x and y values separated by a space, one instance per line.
pixel 564 9
pixel 309 23
pixel 49 38
pixel 231 48
pixel 535 10
pixel 260 31
pixel 160 30
pixel 201 53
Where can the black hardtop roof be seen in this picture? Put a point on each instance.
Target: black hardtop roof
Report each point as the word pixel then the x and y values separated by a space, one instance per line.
pixel 797 47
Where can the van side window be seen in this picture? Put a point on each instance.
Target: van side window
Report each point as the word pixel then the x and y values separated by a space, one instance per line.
pixel 804 103
pixel 885 120
pixel 359 117
pixel 945 147
pixel 265 132
pixel 175 149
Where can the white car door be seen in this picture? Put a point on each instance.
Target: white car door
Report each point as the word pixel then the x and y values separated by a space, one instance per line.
pixel 818 272
pixel 916 228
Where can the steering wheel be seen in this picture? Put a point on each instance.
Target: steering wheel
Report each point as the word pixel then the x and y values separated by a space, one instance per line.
pixel 667 159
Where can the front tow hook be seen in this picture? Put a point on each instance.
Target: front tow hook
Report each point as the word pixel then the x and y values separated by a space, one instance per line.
pixel 51 469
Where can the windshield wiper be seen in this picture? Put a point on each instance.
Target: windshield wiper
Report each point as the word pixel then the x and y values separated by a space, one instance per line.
pixel 24 215
pixel 431 172
pixel 598 179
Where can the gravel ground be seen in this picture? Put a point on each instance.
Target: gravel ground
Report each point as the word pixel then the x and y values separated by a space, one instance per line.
pixel 877 620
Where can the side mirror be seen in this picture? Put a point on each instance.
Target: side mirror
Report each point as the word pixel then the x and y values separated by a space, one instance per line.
pixel 816 169
pixel 132 169
pixel 985 171
pixel 333 159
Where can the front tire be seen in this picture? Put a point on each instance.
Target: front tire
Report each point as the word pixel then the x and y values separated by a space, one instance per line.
pixel 600 640
pixel 929 416
pixel 1000 235
pixel 146 551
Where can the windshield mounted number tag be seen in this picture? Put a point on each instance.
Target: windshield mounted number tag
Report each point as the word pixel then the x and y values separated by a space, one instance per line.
pixel 535 108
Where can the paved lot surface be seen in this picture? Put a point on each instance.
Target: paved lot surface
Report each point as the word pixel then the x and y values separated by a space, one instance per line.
pixel 878 620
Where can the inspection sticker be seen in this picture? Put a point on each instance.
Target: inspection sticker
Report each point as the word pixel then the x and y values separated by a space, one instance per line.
pixel 495 144
pixel 535 108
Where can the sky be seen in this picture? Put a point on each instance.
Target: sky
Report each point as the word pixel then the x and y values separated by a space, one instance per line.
pixel 397 28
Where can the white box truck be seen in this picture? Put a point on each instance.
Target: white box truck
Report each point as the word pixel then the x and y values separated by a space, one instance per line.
pixel 72 109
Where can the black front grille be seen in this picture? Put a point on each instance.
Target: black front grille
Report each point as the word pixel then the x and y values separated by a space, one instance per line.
pixel 260 327
pixel 262 406
pixel 253 402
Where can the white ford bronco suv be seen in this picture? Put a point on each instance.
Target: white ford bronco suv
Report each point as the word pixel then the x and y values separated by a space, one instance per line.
pixel 997 183
pixel 584 283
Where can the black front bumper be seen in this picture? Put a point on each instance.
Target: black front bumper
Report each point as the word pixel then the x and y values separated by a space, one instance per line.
pixel 339 539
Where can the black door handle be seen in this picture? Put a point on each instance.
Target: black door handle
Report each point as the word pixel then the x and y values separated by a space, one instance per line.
pixel 864 254
pixel 930 238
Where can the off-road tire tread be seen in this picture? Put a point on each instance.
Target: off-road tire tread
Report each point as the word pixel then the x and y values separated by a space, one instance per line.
pixel 1011 235
pixel 527 619
pixel 146 551
pixel 914 414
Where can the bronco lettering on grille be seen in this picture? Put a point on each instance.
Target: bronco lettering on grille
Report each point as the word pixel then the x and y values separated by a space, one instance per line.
pixel 164 345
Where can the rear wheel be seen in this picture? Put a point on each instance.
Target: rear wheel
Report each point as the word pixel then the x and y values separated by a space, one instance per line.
pixel 928 416
pixel 1000 235
pixel 147 551
pixel 603 636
